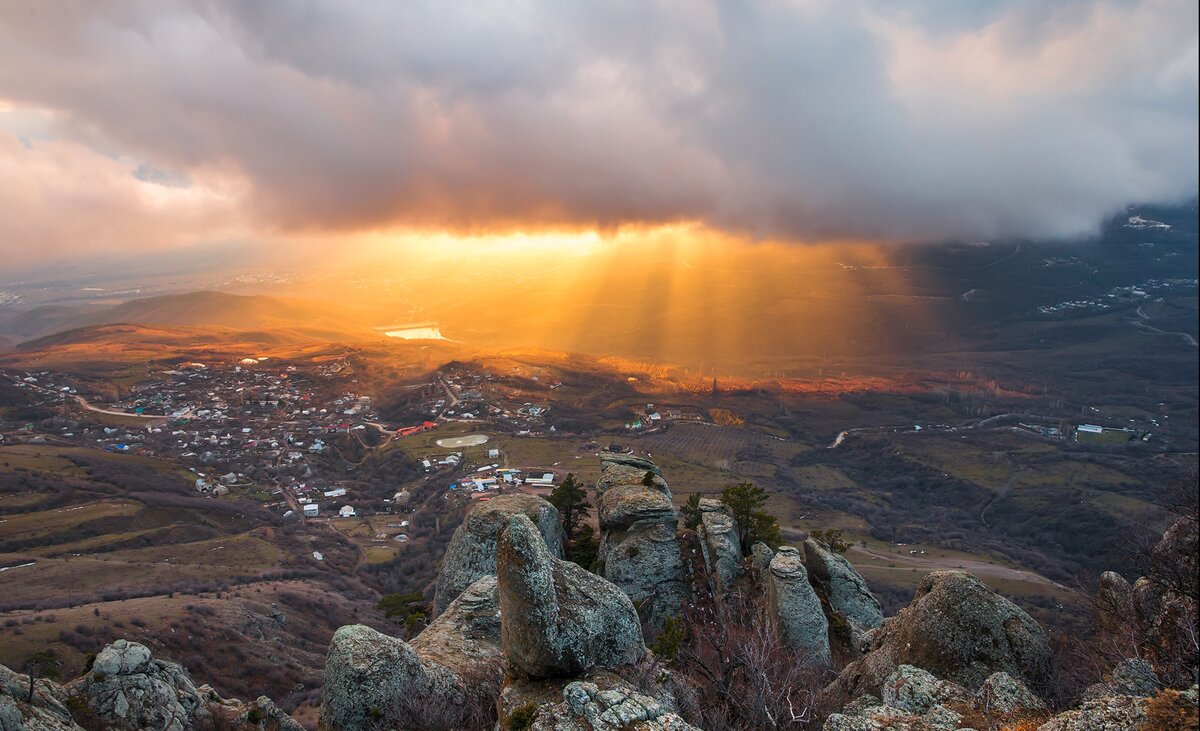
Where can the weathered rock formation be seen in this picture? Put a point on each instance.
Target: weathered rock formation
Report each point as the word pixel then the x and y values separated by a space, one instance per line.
pixel 957 629
pixel 471 554
pixel 916 700
pixel 559 620
pixel 797 607
pixel 844 588
pixel 640 550
pixel 601 701
pixel 722 545
pixel 47 711
pixel 128 689
pixel 437 681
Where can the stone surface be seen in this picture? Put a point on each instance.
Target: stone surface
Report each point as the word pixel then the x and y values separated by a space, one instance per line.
pixel 557 619
pixel 454 667
pixel 1003 693
pixel 646 564
pixel 1111 713
pixel 471 553
pixel 722 546
pixel 845 588
pixel 916 691
pixel 959 630
pixel 46 712
pixel 623 505
pixel 797 608
pixel 760 557
pixel 628 470
pixel 129 690
pixel 599 702
pixel 1131 677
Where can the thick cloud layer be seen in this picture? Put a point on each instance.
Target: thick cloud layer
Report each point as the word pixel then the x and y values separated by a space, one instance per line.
pixel 812 119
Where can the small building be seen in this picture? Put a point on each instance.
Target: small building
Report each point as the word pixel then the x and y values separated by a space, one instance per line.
pixel 310 510
pixel 1090 429
pixel 347 511
pixel 335 492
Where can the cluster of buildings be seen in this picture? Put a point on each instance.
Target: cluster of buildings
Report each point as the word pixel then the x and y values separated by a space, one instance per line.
pixel 1118 297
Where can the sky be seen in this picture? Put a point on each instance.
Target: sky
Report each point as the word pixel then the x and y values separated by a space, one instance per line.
pixel 158 125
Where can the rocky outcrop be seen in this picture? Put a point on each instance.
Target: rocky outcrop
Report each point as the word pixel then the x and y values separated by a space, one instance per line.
pixel 471 554
pixel 557 619
pixel 128 689
pixel 722 545
pixel 845 589
pixel 916 700
pixel 639 543
pixel 797 608
pixel 628 470
pixel 1002 693
pixel 648 566
pixel 760 557
pixel 601 701
pixel 450 671
pixel 46 711
pixel 957 629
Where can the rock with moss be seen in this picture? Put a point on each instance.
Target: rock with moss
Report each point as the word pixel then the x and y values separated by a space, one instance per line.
pixel 844 587
pixel 1002 693
pixel 957 629
pixel 471 553
pixel 452 669
pixel 797 608
pixel 557 619
pixel 647 565
pixel 48 710
pixel 722 545
pixel 916 691
pixel 599 701
pixel 128 690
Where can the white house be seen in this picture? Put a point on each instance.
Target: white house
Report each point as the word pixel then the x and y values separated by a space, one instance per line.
pixel 310 510
pixel 347 511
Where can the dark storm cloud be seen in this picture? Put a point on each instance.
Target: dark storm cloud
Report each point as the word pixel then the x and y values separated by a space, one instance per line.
pixel 798 120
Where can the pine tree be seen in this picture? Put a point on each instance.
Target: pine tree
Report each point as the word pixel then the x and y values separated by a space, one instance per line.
pixel 573 507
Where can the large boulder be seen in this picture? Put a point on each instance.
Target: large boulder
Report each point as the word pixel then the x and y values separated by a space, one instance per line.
pixel 557 619
pixel 47 711
pixel 797 608
pixel 472 550
pixel 437 682
pixel 959 630
pixel 623 505
pixel 844 587
pixel 628 470
pixel 127 689
pixel 722 545
pixel 648 566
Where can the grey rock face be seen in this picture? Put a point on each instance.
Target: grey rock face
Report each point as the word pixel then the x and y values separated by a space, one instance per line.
pixel 600 701
pixel 47 711
pixel 623 505
pixel 648 567
pixel 471 553
pixel 127 689
pixel 1110 713
pixel 797 607
pixel 269 715
pixel 959 630
pixel 760 556
pixel 452 667
pixel 628 470
pixel 722 547
pixel 916 691
pixel 639 544
pixel 558 620
pixel 1133 677
pixel 1003 693
pixel 845 588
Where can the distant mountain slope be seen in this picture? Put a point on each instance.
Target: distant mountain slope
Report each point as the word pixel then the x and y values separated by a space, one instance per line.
pixel 217 310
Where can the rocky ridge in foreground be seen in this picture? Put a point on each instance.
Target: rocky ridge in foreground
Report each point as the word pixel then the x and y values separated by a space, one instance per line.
pixel 536 643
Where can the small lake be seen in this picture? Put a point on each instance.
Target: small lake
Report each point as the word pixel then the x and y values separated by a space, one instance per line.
pixel 424 332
